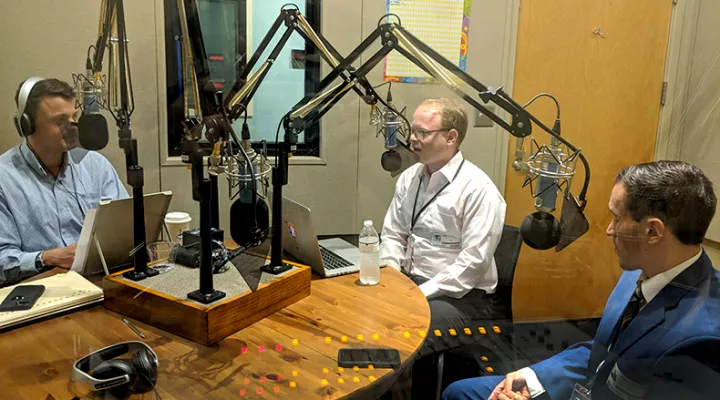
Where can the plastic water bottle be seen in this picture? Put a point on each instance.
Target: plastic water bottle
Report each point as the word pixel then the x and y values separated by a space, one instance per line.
pixel 369 242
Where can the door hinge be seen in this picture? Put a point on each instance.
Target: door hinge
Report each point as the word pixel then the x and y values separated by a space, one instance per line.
pixel 663 93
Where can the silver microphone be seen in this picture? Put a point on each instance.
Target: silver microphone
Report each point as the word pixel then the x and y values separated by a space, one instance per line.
pixel 90 88
pixel 397 156
pixel 551 169
pixel 92 125
pixel 547 183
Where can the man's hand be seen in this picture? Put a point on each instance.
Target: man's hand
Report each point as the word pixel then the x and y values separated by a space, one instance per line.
pixel 513 387
pixel 62 257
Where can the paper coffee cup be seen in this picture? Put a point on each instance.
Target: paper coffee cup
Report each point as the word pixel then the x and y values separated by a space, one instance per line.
pixel 177 223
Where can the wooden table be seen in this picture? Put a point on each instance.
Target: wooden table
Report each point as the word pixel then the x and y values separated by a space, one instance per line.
pixel 261 361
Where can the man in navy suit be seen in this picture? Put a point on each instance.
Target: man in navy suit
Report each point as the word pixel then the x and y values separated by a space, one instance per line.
pixel 659 336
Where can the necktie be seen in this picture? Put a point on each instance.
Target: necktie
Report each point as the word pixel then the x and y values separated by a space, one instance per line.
pixel 637 301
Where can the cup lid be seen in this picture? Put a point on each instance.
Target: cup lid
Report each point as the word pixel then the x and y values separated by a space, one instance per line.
pixel 177 217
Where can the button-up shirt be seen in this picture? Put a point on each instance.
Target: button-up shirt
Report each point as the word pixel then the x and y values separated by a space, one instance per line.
pixel 453 240
pixel 39 212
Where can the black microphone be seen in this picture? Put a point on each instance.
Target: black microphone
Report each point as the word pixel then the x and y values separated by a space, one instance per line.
pixel 249 226
pixel 249 214
pixel 93 131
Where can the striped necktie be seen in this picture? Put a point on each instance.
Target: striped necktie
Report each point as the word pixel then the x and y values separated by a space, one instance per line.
pixel 637 301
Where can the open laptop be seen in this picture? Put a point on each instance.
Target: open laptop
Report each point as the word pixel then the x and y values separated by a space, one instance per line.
pixel 328 257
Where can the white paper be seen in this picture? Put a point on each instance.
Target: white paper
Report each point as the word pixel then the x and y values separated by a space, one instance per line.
pixel 83 247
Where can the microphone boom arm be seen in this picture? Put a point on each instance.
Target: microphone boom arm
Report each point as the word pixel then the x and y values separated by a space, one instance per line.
pixel 112 22
pixel 396 37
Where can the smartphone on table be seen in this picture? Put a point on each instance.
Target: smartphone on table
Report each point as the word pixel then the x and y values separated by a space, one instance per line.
pixel 362 358
pixel 22 298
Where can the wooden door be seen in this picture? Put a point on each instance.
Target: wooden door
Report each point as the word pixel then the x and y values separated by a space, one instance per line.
pixel 604 61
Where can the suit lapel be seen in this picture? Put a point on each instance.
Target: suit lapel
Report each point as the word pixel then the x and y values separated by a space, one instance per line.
pixel 654 312
pixel 614 308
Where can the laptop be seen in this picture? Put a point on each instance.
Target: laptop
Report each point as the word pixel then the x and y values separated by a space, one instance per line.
pixel 327 257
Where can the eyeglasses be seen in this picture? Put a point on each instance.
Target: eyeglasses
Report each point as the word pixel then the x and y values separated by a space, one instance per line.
pixel 422 133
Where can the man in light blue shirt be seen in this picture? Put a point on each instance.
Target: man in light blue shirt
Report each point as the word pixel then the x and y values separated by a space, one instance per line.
pixel 46 184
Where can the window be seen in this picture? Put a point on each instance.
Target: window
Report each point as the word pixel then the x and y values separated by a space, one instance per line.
pixel 232 30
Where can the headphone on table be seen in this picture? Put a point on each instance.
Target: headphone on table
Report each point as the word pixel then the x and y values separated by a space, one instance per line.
pixel 24 122
pixel 122 377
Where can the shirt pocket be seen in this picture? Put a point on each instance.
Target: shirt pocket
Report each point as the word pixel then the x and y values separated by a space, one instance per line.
pixel 89 198
pixel 446 229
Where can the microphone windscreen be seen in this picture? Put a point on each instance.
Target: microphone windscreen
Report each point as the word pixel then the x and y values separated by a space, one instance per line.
pixel 408 158
pixel 540 230
pixel 249 224
pixel 93 131
pixel 391 161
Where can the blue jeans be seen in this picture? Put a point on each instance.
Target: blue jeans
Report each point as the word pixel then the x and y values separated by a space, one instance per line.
pixel 473 388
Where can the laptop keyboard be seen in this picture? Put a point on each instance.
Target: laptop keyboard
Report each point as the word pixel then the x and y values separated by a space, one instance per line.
pixel 332 260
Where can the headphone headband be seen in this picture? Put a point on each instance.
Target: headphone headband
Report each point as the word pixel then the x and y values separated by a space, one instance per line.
pixel 92 360
pixel 24 93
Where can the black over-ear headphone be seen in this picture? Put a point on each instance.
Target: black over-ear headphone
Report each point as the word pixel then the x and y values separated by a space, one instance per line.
pixel 121 377
pixel 24 122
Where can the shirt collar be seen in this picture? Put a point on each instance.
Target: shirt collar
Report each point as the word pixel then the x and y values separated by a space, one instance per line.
pixel 650 287
pixel 34 162
pixel 449 169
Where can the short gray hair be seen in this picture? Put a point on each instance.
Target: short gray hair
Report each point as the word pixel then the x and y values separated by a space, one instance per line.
pixel 676 192
pixel 453 115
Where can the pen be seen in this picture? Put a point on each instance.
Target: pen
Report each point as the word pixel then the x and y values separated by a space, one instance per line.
pixel 134 329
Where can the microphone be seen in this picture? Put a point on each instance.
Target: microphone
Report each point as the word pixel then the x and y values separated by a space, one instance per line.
pixel 249 214
pixel 90 90
pixel 547 185
pixel 541 230
pixel 92 126
pixel 390 160
pixel 397 154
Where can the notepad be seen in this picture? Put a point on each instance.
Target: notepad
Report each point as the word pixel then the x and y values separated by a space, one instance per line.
pixel 62 292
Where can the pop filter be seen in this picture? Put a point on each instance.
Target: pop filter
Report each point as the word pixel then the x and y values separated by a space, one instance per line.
pixel 573 222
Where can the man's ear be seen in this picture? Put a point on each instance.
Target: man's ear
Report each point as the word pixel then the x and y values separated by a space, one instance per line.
pixel 453 136
pixel 655 229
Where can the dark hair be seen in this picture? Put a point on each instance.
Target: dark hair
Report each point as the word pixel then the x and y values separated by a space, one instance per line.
pixel 43 88
pixel 676 192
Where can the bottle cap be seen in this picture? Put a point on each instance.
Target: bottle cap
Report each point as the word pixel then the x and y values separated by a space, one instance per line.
pixel 368 223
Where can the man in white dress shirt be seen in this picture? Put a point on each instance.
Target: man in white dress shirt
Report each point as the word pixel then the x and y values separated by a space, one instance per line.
pixel 445 222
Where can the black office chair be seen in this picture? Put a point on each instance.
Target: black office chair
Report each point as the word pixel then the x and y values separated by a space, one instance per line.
pixel 506 257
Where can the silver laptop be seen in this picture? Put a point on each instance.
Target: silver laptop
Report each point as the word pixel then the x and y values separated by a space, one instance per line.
pixel 106 240
pixel 328 257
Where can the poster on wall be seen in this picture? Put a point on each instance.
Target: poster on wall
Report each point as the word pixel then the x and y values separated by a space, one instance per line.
pixel 442 24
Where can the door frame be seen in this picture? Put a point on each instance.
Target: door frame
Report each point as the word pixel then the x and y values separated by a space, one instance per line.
pixel 678 66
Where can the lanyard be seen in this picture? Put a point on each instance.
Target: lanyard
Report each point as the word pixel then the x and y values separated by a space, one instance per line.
pixel 415 217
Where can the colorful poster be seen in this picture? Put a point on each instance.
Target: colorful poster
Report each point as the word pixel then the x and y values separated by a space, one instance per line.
pixel 441 24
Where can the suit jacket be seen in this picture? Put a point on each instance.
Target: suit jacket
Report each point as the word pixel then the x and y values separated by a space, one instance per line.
pixel 670 350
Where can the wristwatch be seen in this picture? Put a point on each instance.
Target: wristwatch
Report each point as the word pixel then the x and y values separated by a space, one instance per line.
pixel 39 264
